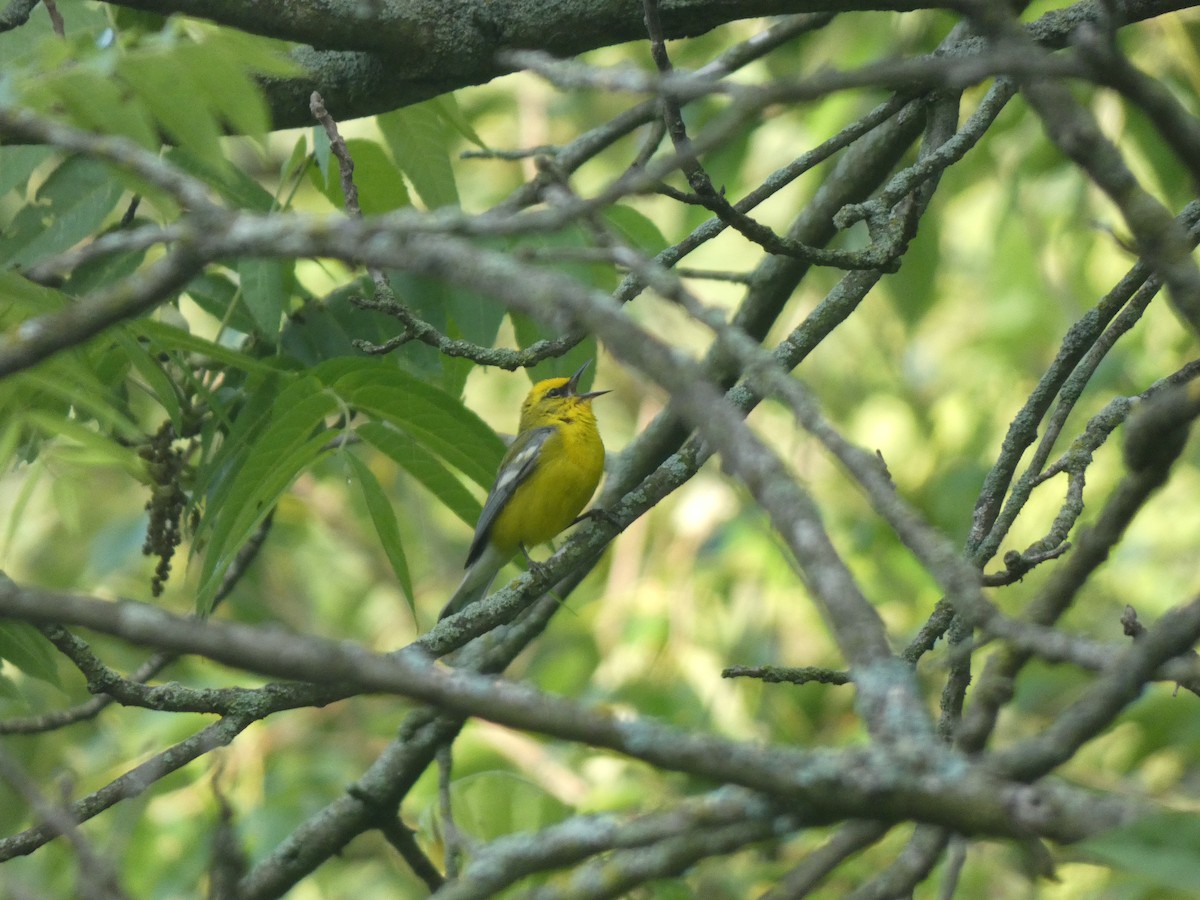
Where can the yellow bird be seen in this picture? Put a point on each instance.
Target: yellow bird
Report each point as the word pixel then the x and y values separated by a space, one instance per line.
pixel 544 481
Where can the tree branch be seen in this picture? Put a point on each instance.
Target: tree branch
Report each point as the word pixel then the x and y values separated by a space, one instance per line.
pixel 929 784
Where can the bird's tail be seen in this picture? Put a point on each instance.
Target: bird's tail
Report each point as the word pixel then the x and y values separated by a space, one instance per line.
pixel 476 583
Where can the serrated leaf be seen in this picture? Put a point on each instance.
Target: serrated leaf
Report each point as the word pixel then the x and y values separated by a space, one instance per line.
pixel 24 647
pixel 426 468
pixel 420 143
pixel 292 441
pixel 384 519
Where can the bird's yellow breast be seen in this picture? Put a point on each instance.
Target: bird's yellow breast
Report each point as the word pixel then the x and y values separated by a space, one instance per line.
pixel 568 469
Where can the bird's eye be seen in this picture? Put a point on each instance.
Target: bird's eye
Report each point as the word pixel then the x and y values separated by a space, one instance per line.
pixel 554 392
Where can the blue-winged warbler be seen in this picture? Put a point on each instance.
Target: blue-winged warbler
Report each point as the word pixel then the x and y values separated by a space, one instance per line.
pixel 544 481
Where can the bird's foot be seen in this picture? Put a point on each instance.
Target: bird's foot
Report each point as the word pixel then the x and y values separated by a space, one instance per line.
pixel 601 515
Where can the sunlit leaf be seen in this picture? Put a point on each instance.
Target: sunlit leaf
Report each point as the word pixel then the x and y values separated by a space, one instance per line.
pixel 420 143
pixel 379 183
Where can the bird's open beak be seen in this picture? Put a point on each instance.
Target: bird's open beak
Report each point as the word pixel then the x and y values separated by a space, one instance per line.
pixel 573 384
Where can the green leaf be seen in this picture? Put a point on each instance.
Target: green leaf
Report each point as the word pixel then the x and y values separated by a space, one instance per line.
pixel 9 692
pixel 24 647
pixel 456 312
pixel 217 295
pixel 420 143
pixel 529 332
pixel 98 102
pixel 637 230
pixel 71 205
pixel 159 384
pixel 233 96
pixel 489 805
pixel 257 54
pixel 322 156
pixel 294 438
pixel 11 437
pixel 102 272
pixel 436 419
pixel 297 160
pixel 161 80
pixel 380 184
pixel 384 518
pixel 327 329
pixel 914 289
pixel 267 286
pixel 25 298
pixel 167 337
pixel 75 383
pixel 448 108
pixel 424 467
pixel 16 507
pixel 1162 850
pixel 99 449
pixel 233 184
pixel 18 163
pixel 137 22
pixel 240 415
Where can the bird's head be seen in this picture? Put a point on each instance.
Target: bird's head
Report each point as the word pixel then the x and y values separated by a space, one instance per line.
pixel 555 399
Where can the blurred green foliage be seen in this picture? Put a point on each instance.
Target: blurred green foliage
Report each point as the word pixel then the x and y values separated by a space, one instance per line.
pixel 252 359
